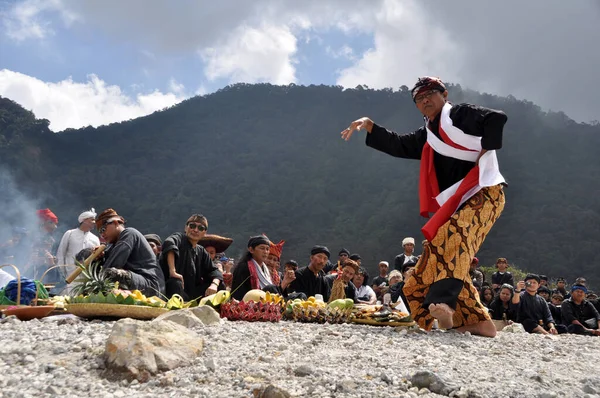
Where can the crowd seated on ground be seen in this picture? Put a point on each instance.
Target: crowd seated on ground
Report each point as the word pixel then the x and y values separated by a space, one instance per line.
pixel 193 264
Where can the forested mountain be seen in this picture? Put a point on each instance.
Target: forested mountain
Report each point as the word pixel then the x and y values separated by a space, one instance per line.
pixel 269 159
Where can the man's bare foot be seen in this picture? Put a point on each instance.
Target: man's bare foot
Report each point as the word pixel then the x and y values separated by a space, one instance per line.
pixel 443 314
pixel 484 328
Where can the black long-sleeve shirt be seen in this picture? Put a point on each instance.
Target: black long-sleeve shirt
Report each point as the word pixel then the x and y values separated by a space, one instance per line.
pixel 133 253
pixel 534 308
pixel 310 284
pixel 578 312
pixel 192 262
pixel 471 119
pixel 499 278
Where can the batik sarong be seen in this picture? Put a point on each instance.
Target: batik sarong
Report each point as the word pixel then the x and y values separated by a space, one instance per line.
pixel 445 262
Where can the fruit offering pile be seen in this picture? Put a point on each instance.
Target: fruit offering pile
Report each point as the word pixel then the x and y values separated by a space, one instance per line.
pixel 313 310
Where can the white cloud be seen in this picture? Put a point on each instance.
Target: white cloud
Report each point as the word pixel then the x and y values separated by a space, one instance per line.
pixel 72 104
pixel 343 52
pixel 404 48
pixel 176 87
pixel 253 55
pixel 29 19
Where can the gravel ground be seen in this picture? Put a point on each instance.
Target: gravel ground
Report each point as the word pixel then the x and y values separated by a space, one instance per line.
pixel 63 357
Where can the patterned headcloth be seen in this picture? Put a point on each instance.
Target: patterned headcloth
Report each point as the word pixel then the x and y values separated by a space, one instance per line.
pixel 427 83
pixel 276 249
pixel 46 215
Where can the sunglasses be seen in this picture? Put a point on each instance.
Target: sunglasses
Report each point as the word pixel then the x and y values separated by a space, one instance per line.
pixel 199 227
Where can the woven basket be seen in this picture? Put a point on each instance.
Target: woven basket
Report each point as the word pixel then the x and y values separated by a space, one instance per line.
pixel 18 276
pixel 251 311
pixel 115 311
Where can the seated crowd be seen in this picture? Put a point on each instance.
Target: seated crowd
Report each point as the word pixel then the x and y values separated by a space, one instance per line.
pixel 192 264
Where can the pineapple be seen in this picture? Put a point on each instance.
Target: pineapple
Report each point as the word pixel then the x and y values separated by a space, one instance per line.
pixel 94 281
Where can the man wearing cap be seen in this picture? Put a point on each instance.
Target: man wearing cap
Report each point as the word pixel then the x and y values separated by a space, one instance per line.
pixel 187 266
pixel 75 240
pixel 502 276
pixel 534 312
pixel 579 315
pixel 155 243
pixel 408 244
pixel 461 185
pixel 381 281
pixel 341 284
pixel 311 280
pixel 561 288
pixel 129 259
pixel 343 255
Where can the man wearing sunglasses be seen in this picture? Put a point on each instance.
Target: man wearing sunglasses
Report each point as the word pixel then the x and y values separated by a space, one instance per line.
pixel 461 188
pixel 129 259
pixel 187 266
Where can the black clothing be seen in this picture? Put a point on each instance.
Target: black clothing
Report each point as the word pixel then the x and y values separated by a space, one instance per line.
pixel 193 263
pixel 533 312
pixel 133 253
pixel 310 284
pixel 379 280
pixel 400 260
pixel 499 312
pixel 471 119
pixel 350 289
pixel 579 312
pixel 501 279
pixel 396 291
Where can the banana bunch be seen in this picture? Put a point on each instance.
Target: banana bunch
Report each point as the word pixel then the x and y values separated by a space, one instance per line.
pixel 58 302
pixel 272 298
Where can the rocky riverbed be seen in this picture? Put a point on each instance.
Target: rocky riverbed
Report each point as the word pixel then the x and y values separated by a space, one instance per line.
pixel 64 357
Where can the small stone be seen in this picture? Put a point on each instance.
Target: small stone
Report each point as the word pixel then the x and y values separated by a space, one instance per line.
pixel 10 320
pixel 53 391
pixel 274 392
pixel 548 394
pixel 424 391
pixel 303 370
pixel 210 364
pixel 346 386
pixel 385 378
pixel 589 389
pixel 29 359
pixel 119 394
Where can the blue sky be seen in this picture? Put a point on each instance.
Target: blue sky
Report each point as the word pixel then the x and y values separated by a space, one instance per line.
pixel 81 62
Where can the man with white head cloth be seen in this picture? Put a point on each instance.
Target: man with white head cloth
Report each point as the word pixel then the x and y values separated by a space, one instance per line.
pixel 75 240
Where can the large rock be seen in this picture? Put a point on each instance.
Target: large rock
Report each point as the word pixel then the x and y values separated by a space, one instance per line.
pixel 207 315
pixel 137 349
pixel 182 317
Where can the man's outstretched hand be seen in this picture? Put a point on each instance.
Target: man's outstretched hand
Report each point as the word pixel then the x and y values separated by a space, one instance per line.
pixel 363 122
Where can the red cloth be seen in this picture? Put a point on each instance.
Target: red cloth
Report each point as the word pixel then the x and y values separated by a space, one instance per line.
pixel 276 249
pixel 253 275
pixel 47 215
pixel 429 189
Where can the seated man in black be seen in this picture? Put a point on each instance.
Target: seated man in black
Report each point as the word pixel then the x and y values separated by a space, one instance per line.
pixel 341 285
pixel 129 259
pixel 534 313
pixel 311 280
pixel 188 267
pixel 579 315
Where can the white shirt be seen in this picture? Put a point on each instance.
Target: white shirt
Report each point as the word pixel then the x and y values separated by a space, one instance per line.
pixel 72 242
pixel 365 290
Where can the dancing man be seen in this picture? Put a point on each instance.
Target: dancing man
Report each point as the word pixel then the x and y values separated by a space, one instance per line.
pixel 461 185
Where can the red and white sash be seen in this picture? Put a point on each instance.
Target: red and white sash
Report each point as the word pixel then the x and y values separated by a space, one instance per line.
pixel 458 145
